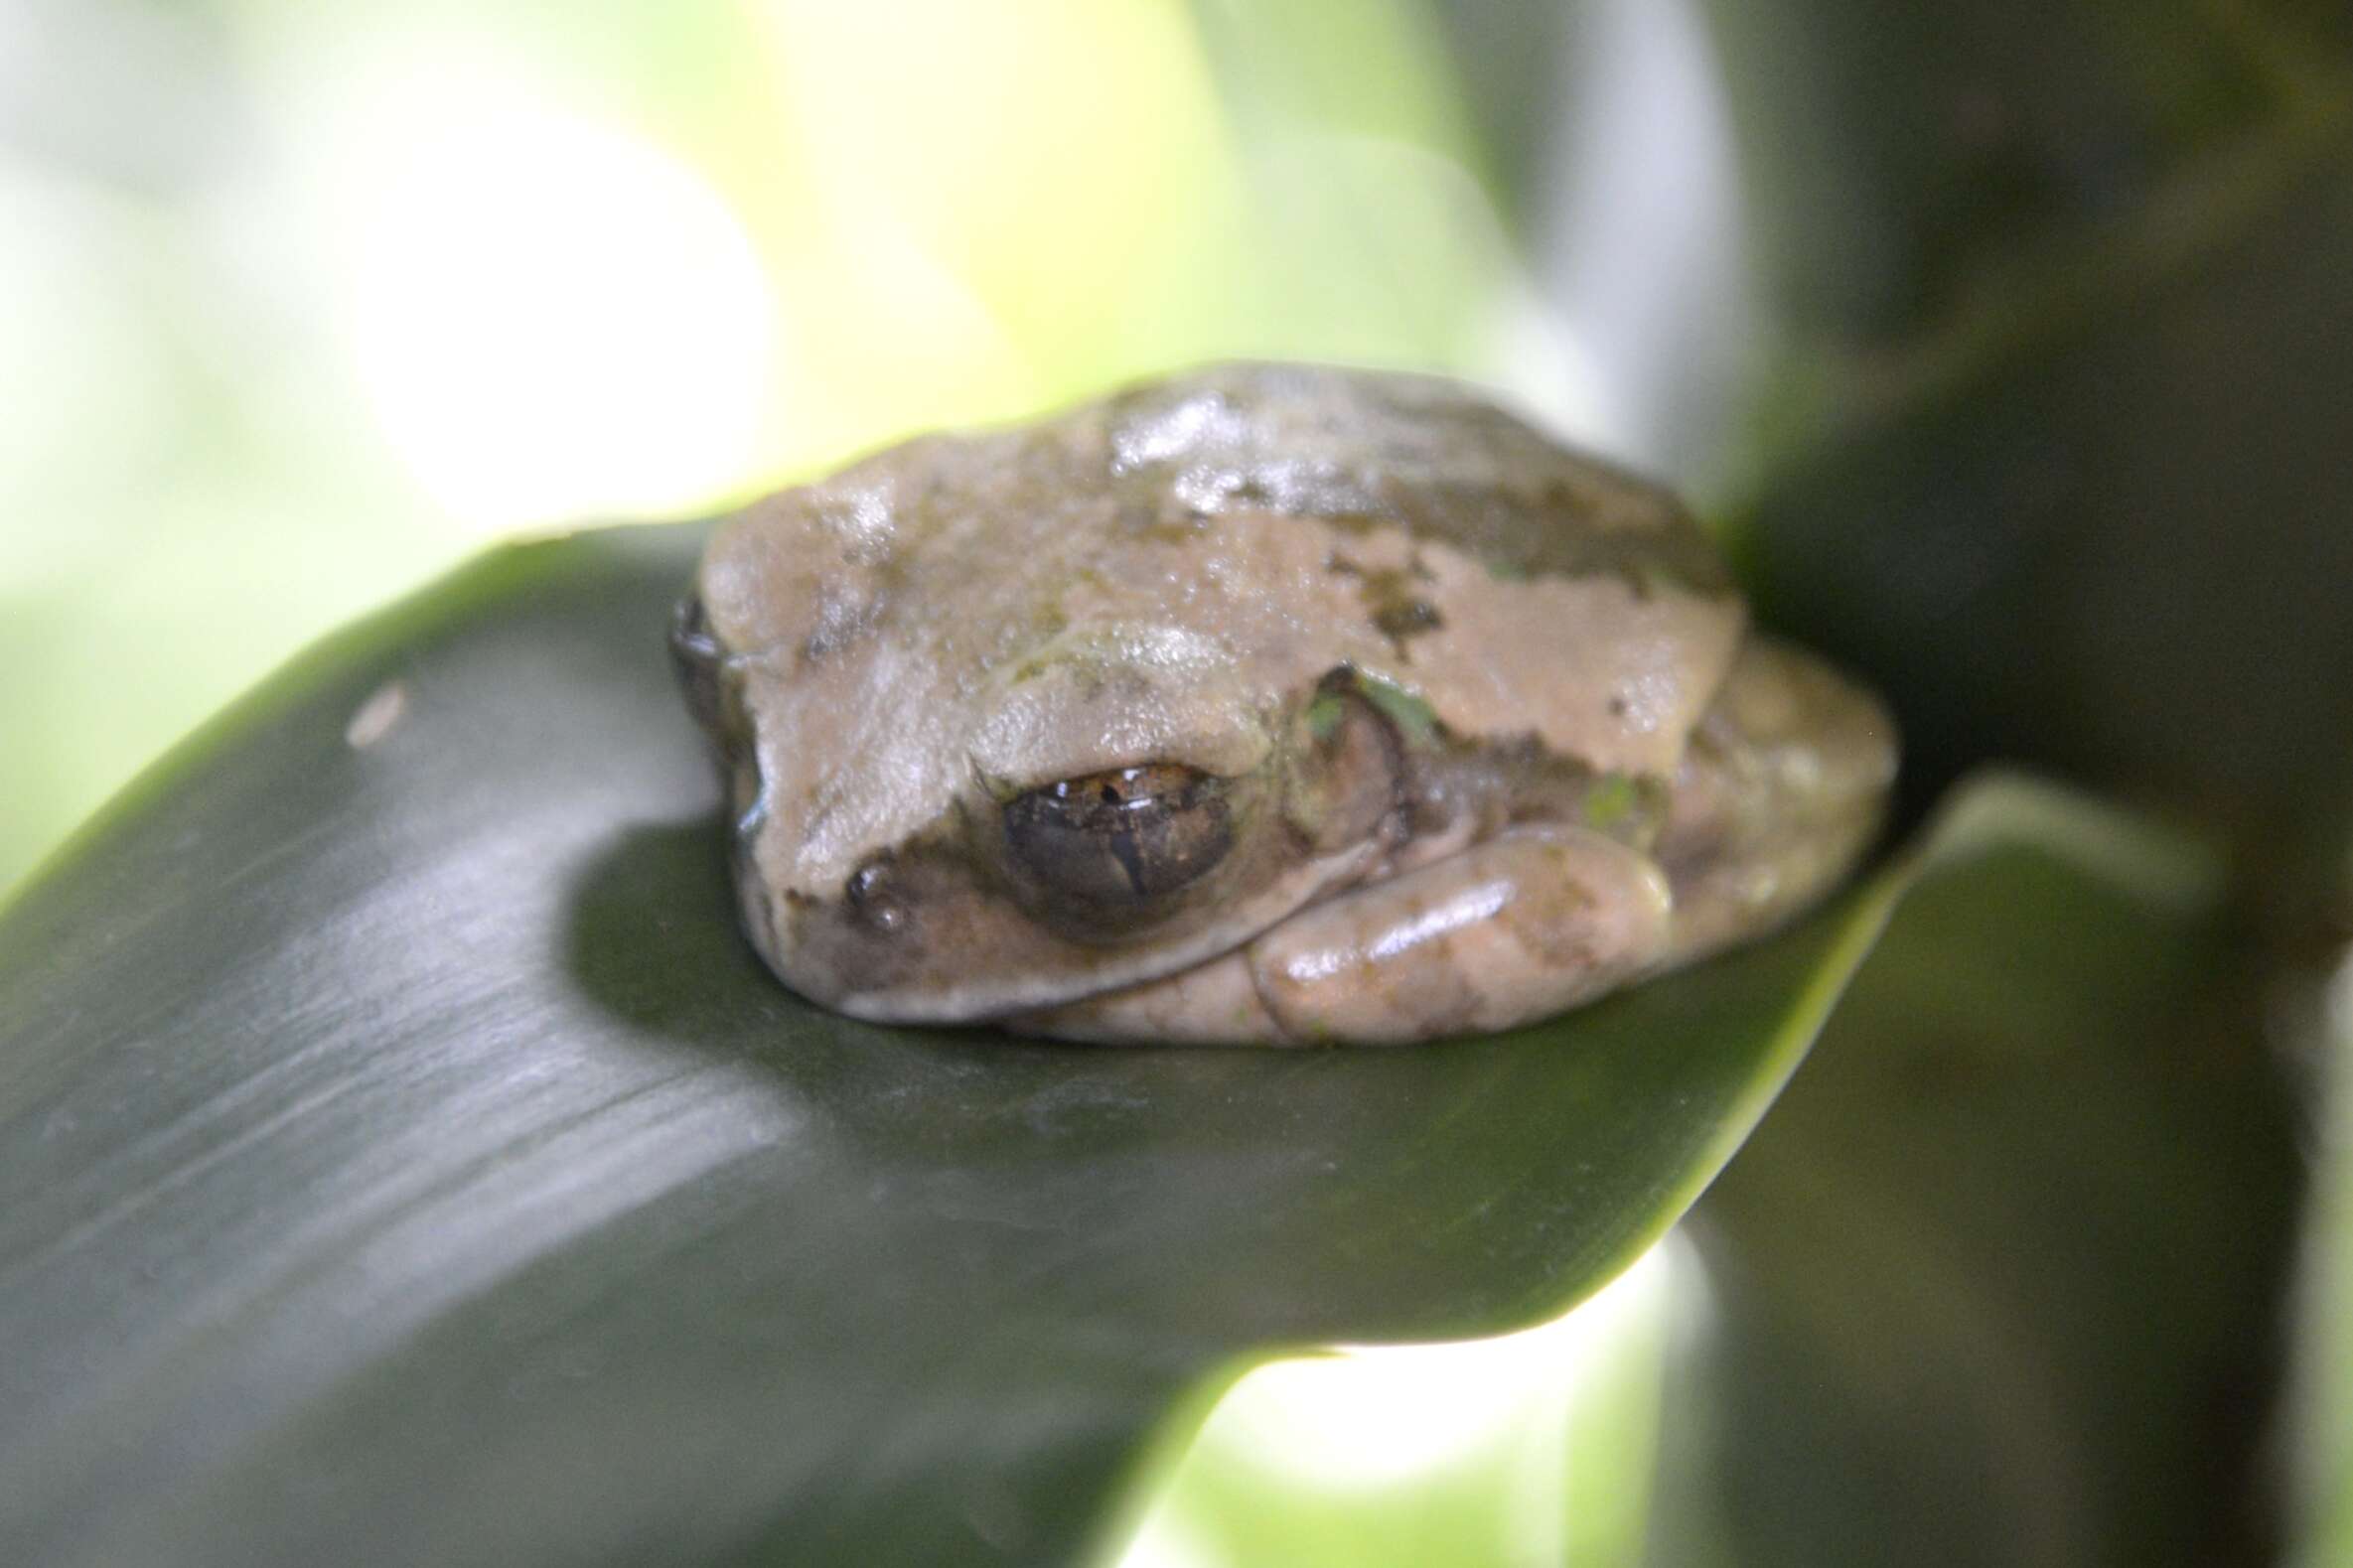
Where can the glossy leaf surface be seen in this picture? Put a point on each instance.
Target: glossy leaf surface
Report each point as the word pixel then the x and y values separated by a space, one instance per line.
pixel 404 1149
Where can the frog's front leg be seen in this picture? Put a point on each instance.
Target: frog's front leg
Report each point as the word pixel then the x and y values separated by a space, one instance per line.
pixel 1519 926
pixel 1533 921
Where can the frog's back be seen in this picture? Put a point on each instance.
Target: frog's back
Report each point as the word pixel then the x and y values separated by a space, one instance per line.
pixel 1200 456
pixel 1427 454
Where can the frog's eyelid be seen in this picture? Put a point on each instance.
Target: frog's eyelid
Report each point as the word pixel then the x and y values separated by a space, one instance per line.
pixel 1003 787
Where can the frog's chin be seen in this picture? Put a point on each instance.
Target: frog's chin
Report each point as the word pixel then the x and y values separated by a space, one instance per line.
pixel 999 998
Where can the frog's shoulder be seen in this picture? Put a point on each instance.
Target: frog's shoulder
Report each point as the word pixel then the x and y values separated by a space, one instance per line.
pixel 1436 457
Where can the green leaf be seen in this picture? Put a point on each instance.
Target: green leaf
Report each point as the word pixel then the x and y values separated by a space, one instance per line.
pixel 407 1160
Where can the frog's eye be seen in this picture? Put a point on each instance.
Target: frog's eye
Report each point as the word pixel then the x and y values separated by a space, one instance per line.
pixel 1121 838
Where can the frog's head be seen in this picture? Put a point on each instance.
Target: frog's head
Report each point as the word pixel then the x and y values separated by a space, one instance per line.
pixel 1126 804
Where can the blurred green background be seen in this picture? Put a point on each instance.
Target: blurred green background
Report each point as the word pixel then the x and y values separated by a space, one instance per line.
pixel 302 305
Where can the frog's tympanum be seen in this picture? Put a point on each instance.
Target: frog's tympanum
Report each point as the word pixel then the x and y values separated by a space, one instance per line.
pixel 1268 703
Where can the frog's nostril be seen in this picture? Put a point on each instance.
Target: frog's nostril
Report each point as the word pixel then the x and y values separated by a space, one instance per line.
pixel 872 896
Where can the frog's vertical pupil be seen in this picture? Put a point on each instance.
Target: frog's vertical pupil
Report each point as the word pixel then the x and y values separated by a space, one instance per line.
pixel 1131 857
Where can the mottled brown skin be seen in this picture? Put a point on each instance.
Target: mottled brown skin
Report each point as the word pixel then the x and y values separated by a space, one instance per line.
pixel 1267 703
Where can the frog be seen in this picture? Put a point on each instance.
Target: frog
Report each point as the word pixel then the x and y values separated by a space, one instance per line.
pixel 1259 704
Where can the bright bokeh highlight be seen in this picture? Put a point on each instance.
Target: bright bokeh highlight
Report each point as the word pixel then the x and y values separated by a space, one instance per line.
pixel 553 319
pixel 1525 1447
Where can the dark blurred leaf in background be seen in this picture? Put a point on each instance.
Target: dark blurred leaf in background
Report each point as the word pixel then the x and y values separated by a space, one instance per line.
pixel 1999 1284
pixel 2068 302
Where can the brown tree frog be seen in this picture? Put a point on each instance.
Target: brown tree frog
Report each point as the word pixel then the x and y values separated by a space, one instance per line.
pixel 1267 703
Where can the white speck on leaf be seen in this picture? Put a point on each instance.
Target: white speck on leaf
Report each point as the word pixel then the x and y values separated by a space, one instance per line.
pixel 376 718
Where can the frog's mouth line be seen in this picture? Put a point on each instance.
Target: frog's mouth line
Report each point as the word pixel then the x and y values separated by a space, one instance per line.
pixel 1032 1005
pixel 999 999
